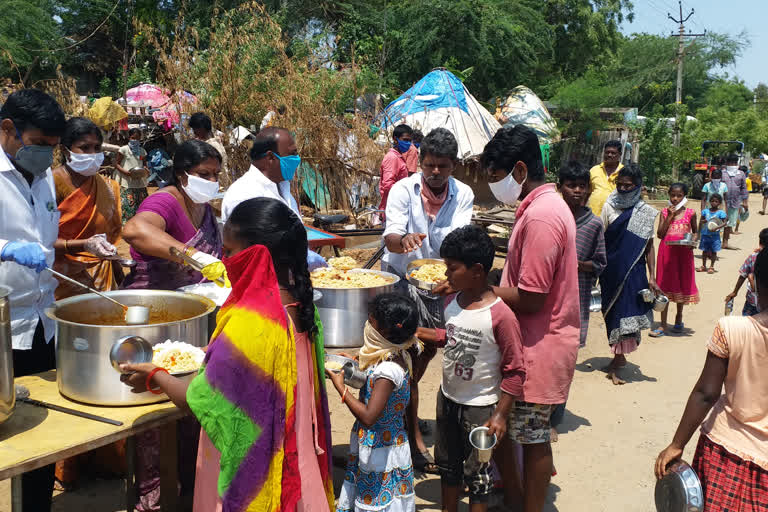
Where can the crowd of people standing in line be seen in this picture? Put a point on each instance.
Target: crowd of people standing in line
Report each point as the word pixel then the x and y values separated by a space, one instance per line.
pixel 258 437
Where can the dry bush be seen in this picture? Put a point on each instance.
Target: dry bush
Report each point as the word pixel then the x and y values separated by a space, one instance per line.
pixel 245 70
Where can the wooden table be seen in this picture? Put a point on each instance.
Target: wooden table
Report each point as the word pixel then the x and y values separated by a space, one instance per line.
pixel 35 437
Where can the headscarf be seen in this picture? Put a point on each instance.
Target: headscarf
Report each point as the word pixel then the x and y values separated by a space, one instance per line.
pixel 376 349
pixel 624 200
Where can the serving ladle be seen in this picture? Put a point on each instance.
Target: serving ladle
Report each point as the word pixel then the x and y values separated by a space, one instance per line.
pixel 134 315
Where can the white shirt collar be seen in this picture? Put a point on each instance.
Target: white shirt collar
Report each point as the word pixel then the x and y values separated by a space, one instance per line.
pixel 5 162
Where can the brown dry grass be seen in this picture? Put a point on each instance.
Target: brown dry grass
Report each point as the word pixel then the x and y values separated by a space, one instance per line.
pixel 245 69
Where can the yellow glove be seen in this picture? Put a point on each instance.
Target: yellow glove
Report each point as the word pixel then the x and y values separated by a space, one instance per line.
pixel 213 269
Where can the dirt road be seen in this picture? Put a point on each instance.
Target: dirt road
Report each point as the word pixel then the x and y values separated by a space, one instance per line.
pixel 610 436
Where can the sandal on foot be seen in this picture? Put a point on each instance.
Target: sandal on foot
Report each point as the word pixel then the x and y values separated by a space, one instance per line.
pixel 678 327
pixel 701 269
pixel 657 333
pixel 424 462
pixel 710 271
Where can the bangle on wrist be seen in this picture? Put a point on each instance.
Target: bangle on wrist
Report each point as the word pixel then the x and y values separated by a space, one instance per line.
pixel 344 395
pixel 66 246
pixel 149 381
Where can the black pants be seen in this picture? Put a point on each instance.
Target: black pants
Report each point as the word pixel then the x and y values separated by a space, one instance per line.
pixel 36 485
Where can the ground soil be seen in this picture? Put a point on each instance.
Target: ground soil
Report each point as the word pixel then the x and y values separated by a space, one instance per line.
pixel 610 435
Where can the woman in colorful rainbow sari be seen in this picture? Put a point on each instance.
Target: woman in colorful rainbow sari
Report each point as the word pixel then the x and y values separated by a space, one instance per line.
pixel 266 437
pixel 89 204
pixel 629 224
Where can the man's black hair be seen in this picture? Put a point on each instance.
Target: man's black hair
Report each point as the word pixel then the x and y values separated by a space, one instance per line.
pixel 733 158
pixel 716 196
pixel 440 142
pixel 634 172
pixel 763 237
pixel 32 108
pixel 134 131
pixel 513 144
pixel 264 141
pixel 402 129
pixel 469 245
pixel 613 144
pixel 200 120
pixel 717 171
pixel 573 171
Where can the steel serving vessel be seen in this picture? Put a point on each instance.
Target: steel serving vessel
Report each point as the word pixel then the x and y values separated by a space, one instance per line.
pixel 344 311
pixel 7 389
pixel 86 329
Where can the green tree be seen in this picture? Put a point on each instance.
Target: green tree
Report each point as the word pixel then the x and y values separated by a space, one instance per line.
pixel 27 29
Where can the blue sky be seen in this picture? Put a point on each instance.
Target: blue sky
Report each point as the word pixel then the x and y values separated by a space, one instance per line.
pixel 724 16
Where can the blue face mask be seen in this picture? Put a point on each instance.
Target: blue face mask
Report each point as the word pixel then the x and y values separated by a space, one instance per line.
pixel 403 145
pixel 417 144
pixel 288 165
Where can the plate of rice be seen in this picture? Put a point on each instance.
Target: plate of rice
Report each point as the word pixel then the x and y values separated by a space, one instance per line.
pixel 425 273
pixel 177 357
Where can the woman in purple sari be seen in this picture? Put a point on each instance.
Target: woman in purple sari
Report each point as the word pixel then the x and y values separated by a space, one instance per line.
pixel 177 216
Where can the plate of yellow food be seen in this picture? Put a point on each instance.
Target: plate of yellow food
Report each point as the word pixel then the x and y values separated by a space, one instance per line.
pixel 330 278
pixel 425 273
pixel 177 357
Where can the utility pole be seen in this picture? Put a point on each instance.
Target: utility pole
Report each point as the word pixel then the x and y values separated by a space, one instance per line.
pixel 680 56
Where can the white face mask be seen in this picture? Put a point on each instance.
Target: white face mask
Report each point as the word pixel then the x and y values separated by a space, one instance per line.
pixel 507 190
pixel 200 190
pixel 716 184
pixel 86 164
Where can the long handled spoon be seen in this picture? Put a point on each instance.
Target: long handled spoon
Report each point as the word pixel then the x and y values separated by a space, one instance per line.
pixel 134 315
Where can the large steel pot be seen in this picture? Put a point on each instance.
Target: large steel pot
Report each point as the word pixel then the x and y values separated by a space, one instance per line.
pixel 7 390
pixel 87 326
pixel 344 311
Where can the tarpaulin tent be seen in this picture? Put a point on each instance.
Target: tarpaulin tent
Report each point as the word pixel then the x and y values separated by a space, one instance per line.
pixel 440 100
pixel 522 106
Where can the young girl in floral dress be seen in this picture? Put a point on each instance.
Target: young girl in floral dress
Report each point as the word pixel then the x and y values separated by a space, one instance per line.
pixel 675 269
pixel 379 473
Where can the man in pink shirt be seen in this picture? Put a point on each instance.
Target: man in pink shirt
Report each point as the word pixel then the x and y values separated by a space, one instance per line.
pixel 540 284
pixel 394 167
pixel 412 155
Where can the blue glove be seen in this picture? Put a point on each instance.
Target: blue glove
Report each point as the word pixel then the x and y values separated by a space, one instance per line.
pixel 315 261
pixel 25 253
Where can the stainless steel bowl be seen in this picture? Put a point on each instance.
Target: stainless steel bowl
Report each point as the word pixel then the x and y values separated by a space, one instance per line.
pixel 130 350
pixel 660 303
pixel 344 311
pixel 679 491
pixel 595 300
pixel 87 327
pixel 414 266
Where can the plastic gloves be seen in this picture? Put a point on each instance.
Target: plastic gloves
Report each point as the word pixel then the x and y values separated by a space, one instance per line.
pixel 28 254
pixel 315 261
pixel 213 269
pixel 99 247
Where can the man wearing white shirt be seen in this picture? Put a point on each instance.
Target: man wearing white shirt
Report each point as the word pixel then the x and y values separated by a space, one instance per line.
pixel 421 210
pixel 31 123
pixel 274 160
